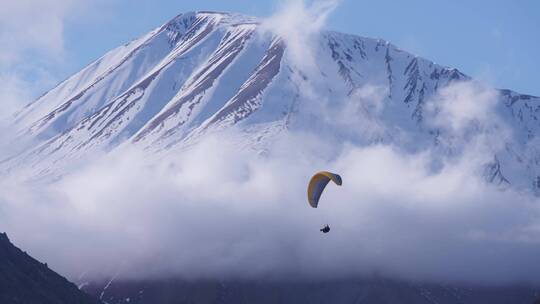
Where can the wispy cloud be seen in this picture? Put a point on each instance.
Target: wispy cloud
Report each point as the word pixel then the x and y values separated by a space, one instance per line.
pixel 298 22
pixel 458 106
pixel 30 25
pixel 32 35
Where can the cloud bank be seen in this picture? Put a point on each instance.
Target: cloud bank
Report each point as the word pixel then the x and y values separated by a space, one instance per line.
pixel 214 211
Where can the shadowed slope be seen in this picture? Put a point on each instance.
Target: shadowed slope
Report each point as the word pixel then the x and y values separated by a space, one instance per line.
pixel 26 280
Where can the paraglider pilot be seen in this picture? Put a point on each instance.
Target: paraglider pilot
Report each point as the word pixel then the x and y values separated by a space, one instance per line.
pixel 325 229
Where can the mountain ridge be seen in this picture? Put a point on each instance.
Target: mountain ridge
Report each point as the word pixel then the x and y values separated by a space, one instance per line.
pixel 206 71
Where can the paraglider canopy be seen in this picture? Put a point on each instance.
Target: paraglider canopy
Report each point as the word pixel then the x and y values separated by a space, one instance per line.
pixel 317 184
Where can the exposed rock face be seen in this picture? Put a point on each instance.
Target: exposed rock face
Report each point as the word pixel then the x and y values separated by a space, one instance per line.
pixel 25 280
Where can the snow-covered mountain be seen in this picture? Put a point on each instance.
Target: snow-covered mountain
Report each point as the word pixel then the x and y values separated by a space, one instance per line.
pixel 208 71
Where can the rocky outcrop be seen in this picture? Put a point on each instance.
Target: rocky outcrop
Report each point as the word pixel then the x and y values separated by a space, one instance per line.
pixel 24 280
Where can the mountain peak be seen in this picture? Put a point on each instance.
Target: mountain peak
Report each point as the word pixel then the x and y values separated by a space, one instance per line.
pixel 189 18
pixel 207 71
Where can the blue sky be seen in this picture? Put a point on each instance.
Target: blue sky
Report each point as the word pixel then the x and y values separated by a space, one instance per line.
pixel 495 41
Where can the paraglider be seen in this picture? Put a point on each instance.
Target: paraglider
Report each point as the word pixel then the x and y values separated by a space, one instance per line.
pixel 325 229
pixel 316 186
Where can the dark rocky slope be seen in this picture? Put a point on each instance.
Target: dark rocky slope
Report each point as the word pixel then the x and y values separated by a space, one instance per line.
pixel 24 280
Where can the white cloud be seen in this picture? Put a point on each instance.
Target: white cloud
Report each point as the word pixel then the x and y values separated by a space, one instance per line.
pixel 31 25
pixel 361 111
pixel 354 117
pixel 460 105
pixel 214 211
pixel 32 35
pixel 298 22
pixel 12 92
